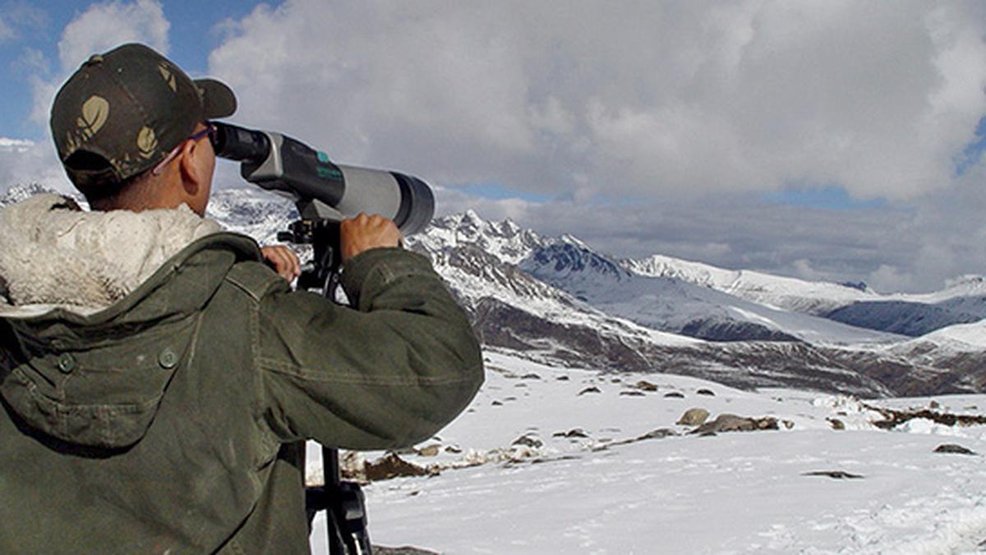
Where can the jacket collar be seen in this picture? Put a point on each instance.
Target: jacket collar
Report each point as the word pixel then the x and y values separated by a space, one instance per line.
pixel 180 287
pixel 63 272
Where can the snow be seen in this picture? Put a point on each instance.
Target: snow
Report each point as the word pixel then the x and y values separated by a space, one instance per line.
pixel 970 336
pixel 612 492
pixel 777 291
pixel 504 240
pixel 670 303
pixel 965 286
pixel 738 492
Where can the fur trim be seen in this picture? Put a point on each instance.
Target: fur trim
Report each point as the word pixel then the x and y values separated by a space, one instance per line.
pixel 53 254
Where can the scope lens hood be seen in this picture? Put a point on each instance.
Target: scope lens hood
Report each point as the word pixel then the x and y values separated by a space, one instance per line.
pixel 417 204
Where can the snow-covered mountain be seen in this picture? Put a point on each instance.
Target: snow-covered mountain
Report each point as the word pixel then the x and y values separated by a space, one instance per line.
pixel 253 212
pixel 680 306
pixel 505 241
pixel 21 192
pixel 556 299
pixel 963 301
pixel 811 297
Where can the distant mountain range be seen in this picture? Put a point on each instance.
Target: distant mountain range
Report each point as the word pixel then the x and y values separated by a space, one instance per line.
pixel 556 299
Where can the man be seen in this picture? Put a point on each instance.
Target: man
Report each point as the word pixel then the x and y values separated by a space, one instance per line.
pixel 155 376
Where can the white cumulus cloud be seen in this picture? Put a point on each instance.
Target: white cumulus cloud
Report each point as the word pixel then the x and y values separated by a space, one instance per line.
pixel 635 98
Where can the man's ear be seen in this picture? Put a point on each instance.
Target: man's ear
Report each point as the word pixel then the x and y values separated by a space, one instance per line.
pixel 191 172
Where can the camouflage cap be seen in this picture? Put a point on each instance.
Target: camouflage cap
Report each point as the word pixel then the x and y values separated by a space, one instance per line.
pixel 122 112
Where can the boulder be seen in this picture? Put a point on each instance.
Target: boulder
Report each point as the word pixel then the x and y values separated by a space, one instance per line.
pixel 573 433
pixel 733 423
pixel 954 449
pixel 693 417
pixel 835 474
pixel 645 385
pixel 528 441
pixel 392 466
pixel 659 433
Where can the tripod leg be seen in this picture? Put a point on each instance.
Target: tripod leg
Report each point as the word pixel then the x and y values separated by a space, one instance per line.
pixel 348 534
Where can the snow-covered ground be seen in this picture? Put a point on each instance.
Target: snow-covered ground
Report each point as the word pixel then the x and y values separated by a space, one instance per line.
pixel 586 480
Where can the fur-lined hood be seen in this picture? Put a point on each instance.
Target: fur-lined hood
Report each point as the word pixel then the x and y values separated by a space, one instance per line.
pixel 55 255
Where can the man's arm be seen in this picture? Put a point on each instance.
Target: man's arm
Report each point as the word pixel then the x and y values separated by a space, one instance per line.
pixel 389 372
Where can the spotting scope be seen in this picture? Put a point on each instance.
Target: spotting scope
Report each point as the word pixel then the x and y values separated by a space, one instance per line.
pixel 287 166
pixel 325 194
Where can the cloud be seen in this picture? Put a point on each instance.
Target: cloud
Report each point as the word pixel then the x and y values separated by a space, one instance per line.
pixel 639 98
pixel 657 127
pixel 18 17
pixel 105 25
pixel 100 27
pixel 23 162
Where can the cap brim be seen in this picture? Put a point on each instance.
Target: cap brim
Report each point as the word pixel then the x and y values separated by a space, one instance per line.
pixel 218 100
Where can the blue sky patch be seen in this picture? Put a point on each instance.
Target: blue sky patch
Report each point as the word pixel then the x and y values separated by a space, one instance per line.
pixel 496 191
pixel 30 32
pixel 830 197
pixel 973 151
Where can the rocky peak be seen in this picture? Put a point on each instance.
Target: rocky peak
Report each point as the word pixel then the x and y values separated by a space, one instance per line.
pixel 570 258
pixel 505 239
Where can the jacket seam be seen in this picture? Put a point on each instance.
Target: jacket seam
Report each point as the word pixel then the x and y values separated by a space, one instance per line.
pixel 251 292
pixel 269 439
pixel 278 367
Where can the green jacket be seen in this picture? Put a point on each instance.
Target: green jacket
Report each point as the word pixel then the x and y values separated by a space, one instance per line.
pixel 169 421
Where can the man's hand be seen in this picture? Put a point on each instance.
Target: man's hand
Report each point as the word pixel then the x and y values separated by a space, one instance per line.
pixel 363 233
pixel 284 261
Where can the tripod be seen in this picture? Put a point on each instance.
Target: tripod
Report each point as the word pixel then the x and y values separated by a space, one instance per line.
pixel 343 501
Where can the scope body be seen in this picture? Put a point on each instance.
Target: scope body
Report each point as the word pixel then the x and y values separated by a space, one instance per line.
pixel 287 166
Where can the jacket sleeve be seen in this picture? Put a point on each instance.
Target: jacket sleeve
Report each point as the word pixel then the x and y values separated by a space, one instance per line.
pixel 387 373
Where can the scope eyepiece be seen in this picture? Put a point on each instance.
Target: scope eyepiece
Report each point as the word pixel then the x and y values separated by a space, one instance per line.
pixel 241 144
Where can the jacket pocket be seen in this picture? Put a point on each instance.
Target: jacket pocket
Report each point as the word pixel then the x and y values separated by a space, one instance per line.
pixel 104 397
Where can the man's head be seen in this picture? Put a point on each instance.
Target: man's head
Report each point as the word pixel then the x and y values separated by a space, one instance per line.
pixel 128 129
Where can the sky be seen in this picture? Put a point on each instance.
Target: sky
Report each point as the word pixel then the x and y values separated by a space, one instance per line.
pixel 827 140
